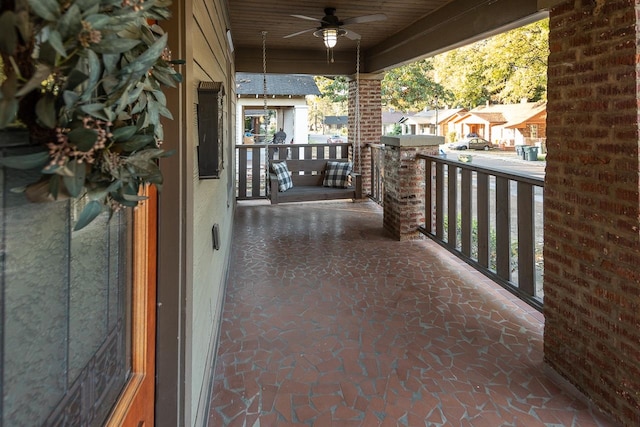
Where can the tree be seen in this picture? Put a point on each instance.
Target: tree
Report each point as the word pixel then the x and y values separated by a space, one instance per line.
pixel 517 63
pixel 502 69
pixel 412 87
pixel 335 89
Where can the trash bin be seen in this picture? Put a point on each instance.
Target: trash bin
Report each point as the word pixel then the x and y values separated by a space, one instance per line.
pixel 531 153
pixel 519 150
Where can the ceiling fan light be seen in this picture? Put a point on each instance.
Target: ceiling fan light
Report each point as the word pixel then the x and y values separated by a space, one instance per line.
pixel 330 37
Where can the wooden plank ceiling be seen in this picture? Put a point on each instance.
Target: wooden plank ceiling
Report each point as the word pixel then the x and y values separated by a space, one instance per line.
pixel 412 29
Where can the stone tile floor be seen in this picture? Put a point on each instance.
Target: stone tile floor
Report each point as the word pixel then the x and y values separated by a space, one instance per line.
pixel 329 322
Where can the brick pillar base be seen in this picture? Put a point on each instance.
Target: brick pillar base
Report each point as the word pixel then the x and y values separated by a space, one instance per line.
pixel 404 183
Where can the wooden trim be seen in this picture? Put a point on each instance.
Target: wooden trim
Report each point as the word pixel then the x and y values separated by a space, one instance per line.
pixel 136 404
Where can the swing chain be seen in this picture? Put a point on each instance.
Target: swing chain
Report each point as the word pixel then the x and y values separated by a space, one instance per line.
pixel 357 155
pixel 264 96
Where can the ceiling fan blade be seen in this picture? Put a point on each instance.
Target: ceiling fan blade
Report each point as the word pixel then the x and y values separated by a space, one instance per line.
pixel 366 18
pixel 352 35
pixel 308 18
pixel 298 33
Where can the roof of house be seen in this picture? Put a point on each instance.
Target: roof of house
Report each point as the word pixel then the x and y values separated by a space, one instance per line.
pixel 277 84
pixel 391 116
pixel 431 116
pixel 335 120
pixel 508 115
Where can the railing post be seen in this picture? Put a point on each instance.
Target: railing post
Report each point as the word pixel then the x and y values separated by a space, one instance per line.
pixel 428 195
pixel 526 244
pixel 452 205
pixel 482 201
pixel 465 213
pixel 503 229
pixel 487 245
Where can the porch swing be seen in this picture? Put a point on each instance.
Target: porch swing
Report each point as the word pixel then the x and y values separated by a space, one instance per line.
pixel 307 180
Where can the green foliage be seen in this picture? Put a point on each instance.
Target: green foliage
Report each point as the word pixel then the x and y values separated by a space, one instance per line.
pixel 502 69
pixel 397 129
pixel 336 89
pixel 412 87
pixel 86 78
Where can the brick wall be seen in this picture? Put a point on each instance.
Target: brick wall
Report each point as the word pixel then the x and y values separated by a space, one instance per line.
pixel 370 122
pixel 591 208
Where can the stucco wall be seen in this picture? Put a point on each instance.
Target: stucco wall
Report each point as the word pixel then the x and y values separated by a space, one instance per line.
pixel 213 203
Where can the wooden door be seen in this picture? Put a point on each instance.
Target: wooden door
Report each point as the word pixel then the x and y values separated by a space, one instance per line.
pixel 136 404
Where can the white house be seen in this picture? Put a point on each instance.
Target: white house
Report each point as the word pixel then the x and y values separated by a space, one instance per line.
pixel 286 106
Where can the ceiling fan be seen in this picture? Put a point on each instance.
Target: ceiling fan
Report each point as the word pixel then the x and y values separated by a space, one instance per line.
pixel 331 26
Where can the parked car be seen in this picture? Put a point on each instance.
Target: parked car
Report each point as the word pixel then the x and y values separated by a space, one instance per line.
pixel 472 143
pixel 335 139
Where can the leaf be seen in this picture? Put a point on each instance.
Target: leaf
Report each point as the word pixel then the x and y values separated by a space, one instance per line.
pixel 115 45
pixel 153 111
pixel 8 111
pixel 136 143
pixel 96 110
pixel 110 62
pixel 135 94
pixel 75 183
pixel 87 4
pixel 134 198
pixel 46 111
pixel 42 72
pixel 145 61
pixel 83 138
pixel 70 98
pixel 88 214
pixel 26 161
pixel 45 9
pixel 75 78
pixel 93 64
pixel 8 35
pixel 23 23
pixel 70 23
pixel 164 111
pixel 124 133
pixel 55 40
pixel 54 186
pixel 97 21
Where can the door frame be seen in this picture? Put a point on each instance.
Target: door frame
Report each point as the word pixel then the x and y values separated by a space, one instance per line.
pixel 135 406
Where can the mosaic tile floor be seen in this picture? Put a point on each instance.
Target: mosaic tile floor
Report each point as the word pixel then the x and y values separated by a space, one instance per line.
pixel 329 322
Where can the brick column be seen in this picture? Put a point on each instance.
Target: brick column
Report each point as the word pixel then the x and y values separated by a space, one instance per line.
pixel 370 121
pixel 404 183
pixel 591 206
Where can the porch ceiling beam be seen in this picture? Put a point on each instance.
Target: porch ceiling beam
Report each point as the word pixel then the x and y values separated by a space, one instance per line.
pixel 456 24
pixel 287 61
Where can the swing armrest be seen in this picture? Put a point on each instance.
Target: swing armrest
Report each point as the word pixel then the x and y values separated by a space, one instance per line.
pixel 273 187
pixel 357 184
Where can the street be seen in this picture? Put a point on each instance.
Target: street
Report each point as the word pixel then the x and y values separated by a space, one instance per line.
pixel 502 160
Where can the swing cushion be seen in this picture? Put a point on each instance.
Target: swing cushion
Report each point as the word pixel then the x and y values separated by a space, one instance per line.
pixel 337 174
pixel 283 175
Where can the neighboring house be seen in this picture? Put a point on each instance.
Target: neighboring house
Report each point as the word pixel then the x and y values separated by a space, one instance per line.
pixel 422 123
pixel 506 124
pixel 446 122
pixel 426 122
pixel 335 124
pixel 286 105
pixel 391 118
